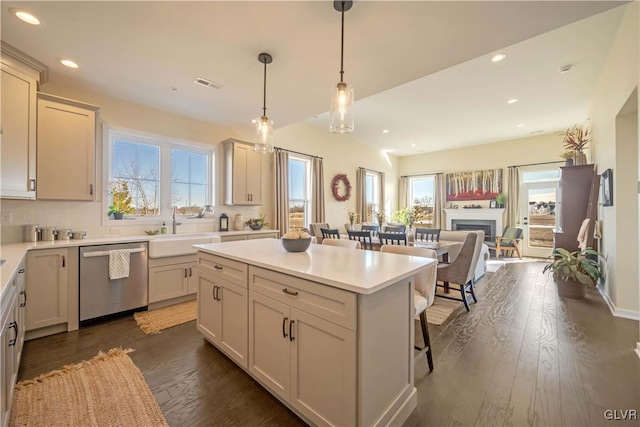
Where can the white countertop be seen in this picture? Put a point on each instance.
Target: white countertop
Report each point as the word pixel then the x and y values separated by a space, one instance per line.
pixel 14 253
pixel 360 271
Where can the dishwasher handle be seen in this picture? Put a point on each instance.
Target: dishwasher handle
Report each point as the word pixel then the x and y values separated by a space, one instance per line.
pixel 106 253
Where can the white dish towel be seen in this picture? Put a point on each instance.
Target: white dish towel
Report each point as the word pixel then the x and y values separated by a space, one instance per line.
pixel 119 260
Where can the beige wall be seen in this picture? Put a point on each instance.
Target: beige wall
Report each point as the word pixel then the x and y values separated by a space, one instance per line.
pixel 341 154
pixel 613 149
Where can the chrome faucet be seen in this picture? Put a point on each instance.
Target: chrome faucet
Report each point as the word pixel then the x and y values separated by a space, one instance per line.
pixel 173 222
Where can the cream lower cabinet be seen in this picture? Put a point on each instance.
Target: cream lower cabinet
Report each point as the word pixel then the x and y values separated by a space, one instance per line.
pixel 172 277
pixel 222 316
pixel 11 340
pixel 305 360
pixel 47 287
pixel 249 236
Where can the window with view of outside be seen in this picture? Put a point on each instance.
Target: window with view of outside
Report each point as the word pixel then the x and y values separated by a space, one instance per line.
pixel 189 181
pixel 299 192
pixel 421 194
pixel 139 165
pixel 372 194
pixel 160 173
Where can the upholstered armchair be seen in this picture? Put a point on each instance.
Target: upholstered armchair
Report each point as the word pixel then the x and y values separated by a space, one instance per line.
pixel 509 241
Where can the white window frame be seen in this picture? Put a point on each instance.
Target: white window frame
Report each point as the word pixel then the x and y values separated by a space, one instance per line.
pixel 375 206
pixel 420 178
pixel 166 144
pixel 307 188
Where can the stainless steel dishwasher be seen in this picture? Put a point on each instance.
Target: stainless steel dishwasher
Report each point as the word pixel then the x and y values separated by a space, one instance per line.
pixel 100 296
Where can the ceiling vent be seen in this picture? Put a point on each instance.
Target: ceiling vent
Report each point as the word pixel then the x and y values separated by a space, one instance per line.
pixel 207 83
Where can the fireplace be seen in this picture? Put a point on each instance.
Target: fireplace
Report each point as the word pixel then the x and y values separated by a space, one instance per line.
pixel 487 220
pixel 488 226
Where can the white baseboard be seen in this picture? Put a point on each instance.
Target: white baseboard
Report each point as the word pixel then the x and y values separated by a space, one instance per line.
pixel 626 314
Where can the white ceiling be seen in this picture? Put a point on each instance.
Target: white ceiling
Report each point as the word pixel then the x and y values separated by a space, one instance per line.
pixel 421 69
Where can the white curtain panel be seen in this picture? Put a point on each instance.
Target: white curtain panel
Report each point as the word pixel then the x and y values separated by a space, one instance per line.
pixel 439 219
pixel 513 201
pixel 281 193
pixel 403 192
pixel 361 199
pixel 317 190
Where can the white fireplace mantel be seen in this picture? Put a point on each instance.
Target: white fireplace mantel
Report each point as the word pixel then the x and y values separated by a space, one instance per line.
pixel 480 214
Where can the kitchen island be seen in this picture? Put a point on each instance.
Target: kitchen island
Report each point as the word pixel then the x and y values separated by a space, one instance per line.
pixel 328 331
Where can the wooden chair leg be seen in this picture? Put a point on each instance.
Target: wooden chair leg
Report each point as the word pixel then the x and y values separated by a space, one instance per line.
pixel 518 251
pixel 498 249
pixel 427 339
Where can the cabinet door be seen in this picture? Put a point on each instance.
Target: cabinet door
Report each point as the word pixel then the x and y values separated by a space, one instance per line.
pixel 192 278
pixel 273 235
pixel 46 284
pixel 167 282
pixel 6 369
pixel 269 345
pixel 323 370
pixel 240 158
pixel 254 177
pixel 21 309
pixel 66 151
pixel 234 336
pixel 208 309
pixel 18 160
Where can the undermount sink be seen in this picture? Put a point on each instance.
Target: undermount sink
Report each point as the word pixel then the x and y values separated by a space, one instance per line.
pixel 176 244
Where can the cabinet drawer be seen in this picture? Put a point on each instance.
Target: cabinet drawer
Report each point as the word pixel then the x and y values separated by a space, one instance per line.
pixel 223 268
pixel 332 304
pixel 233 238
pixel 262 236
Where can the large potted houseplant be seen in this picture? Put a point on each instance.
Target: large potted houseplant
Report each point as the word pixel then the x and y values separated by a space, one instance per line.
pixel 121 198
pixel 572 271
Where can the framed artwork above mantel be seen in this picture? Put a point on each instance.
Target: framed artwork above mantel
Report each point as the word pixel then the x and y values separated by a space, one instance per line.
pixel 474 185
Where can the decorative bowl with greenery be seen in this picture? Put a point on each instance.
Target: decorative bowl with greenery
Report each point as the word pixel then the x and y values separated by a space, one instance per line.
pixel 257 223
pixel 573 270
pixel 121 198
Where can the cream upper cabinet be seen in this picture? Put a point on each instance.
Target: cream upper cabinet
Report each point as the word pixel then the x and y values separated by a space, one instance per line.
pixel 66 149
pixel 243 173
pixel 18 146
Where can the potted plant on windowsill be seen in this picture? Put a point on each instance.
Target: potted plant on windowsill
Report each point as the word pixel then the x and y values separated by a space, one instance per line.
pixel 572 271
pixel 257 223
pixel 121 197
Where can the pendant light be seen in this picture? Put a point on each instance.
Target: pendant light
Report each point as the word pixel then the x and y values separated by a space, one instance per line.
pixel 341 110
pixel 264 126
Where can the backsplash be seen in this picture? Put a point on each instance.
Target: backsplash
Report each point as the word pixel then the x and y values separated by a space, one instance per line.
pixel 88 216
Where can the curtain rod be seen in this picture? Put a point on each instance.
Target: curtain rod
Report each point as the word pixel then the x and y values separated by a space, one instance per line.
pixel 371 170
pixel 421 174
pixel 536 164
pixel 297 152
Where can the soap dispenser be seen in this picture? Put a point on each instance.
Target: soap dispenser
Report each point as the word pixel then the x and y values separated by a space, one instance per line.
pixel 163 229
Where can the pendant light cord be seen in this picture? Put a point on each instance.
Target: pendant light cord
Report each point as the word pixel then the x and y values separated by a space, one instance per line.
pixel 342 46
pixel 264 92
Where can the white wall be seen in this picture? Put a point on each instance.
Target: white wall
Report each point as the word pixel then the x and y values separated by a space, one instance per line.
pixel 613 149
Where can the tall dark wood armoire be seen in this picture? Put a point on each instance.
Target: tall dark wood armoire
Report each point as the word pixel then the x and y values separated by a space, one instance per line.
pixel 578 200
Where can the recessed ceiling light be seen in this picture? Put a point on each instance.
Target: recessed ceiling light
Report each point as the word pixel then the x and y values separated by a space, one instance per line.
pixel 26 16
pixel 68 63
pixel 413 145
pixel 512 101
pixel 499 57
pixel 385 130
pixel 520 125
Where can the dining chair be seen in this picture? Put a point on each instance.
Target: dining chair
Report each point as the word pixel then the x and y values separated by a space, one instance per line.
pixel 373 228
pixel 424 293
pixel 460 271
pixel 428 234
pixel 395 228
pixel 393 238
pixel 330 233
pixel 314 229
pixel 364 237
pixel 352 244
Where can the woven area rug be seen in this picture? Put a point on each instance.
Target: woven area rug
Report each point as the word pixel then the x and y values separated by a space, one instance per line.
pixel 108 390
pixel 441 309
pixel 153 321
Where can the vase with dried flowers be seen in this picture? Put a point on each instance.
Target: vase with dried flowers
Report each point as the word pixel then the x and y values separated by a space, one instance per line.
pixel 576 139
pixel 380 217
pixel 351 214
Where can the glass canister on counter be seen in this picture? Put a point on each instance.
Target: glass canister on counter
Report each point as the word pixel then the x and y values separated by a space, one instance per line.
pixel 77 235
pixel 63 234
pixel 47 234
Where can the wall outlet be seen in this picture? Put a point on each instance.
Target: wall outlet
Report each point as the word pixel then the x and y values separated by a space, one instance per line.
pixel 7 218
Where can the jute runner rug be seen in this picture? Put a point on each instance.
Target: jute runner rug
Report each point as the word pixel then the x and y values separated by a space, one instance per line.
pixel 153 321
pixel 441 309
pixel 108 390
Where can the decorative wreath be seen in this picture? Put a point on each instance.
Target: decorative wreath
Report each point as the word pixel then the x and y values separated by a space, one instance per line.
pixel 335 187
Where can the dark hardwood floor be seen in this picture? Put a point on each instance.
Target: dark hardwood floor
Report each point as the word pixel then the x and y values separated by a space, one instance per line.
pixel 522 356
